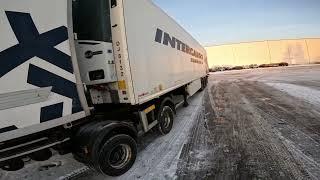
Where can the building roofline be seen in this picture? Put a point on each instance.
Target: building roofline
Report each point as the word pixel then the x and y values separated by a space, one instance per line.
pixel 207 46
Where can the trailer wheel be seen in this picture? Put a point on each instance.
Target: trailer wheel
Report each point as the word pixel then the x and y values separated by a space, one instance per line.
pixel 13 165
pixel 41 155
pixel 165 118
pixel 117 155
pixel 204 83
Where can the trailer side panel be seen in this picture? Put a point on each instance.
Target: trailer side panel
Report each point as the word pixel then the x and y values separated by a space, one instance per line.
pixel 162 55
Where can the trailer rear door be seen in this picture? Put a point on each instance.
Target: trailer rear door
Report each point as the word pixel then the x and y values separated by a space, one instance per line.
pixel 38 69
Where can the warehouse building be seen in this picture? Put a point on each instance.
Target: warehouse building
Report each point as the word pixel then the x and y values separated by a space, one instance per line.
pixel 292 51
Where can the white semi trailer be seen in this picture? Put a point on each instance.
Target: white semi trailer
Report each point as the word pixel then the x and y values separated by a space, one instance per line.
pixel 90 77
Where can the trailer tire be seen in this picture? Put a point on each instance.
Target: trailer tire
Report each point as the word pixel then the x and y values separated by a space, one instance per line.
pixel 117 155
pixel 41 155
pixel 204 83
pixel 13 165
pixel 165 119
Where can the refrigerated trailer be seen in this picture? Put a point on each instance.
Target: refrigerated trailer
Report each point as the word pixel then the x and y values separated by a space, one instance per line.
pixel 90 77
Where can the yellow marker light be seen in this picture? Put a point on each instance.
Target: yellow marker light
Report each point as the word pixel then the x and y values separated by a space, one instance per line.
pixel 122 85
pixel 161 87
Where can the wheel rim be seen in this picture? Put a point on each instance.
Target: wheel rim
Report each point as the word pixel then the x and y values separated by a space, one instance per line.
pixel 166 118
pixel 120 156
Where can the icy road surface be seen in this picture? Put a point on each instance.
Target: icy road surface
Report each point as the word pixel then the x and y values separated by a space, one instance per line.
pixel 248 124
pixel 260 124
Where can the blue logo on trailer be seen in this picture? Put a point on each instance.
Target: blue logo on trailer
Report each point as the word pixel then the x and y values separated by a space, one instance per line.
pixel 33 44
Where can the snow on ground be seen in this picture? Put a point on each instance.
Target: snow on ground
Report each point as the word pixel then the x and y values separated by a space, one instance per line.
pixel 37 171
pixel 308 94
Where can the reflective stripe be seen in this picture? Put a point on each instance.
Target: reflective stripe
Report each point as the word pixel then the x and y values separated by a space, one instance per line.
pixel 122 85
pixel 149 109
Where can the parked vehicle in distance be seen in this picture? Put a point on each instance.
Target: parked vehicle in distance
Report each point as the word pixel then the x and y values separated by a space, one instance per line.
pixel 283 64
pixel 238 68
pixel 253 66
pixel 90 77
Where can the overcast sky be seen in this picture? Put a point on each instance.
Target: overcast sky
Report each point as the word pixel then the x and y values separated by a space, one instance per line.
pixel 228 21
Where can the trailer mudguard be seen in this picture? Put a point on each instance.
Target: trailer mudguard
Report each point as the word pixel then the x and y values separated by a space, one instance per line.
pixel 40 86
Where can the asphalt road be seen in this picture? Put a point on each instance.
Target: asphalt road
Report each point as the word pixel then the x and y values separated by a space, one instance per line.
pixel 248 124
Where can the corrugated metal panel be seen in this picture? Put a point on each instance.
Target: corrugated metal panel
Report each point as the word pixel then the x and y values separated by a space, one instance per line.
pixel 22 98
